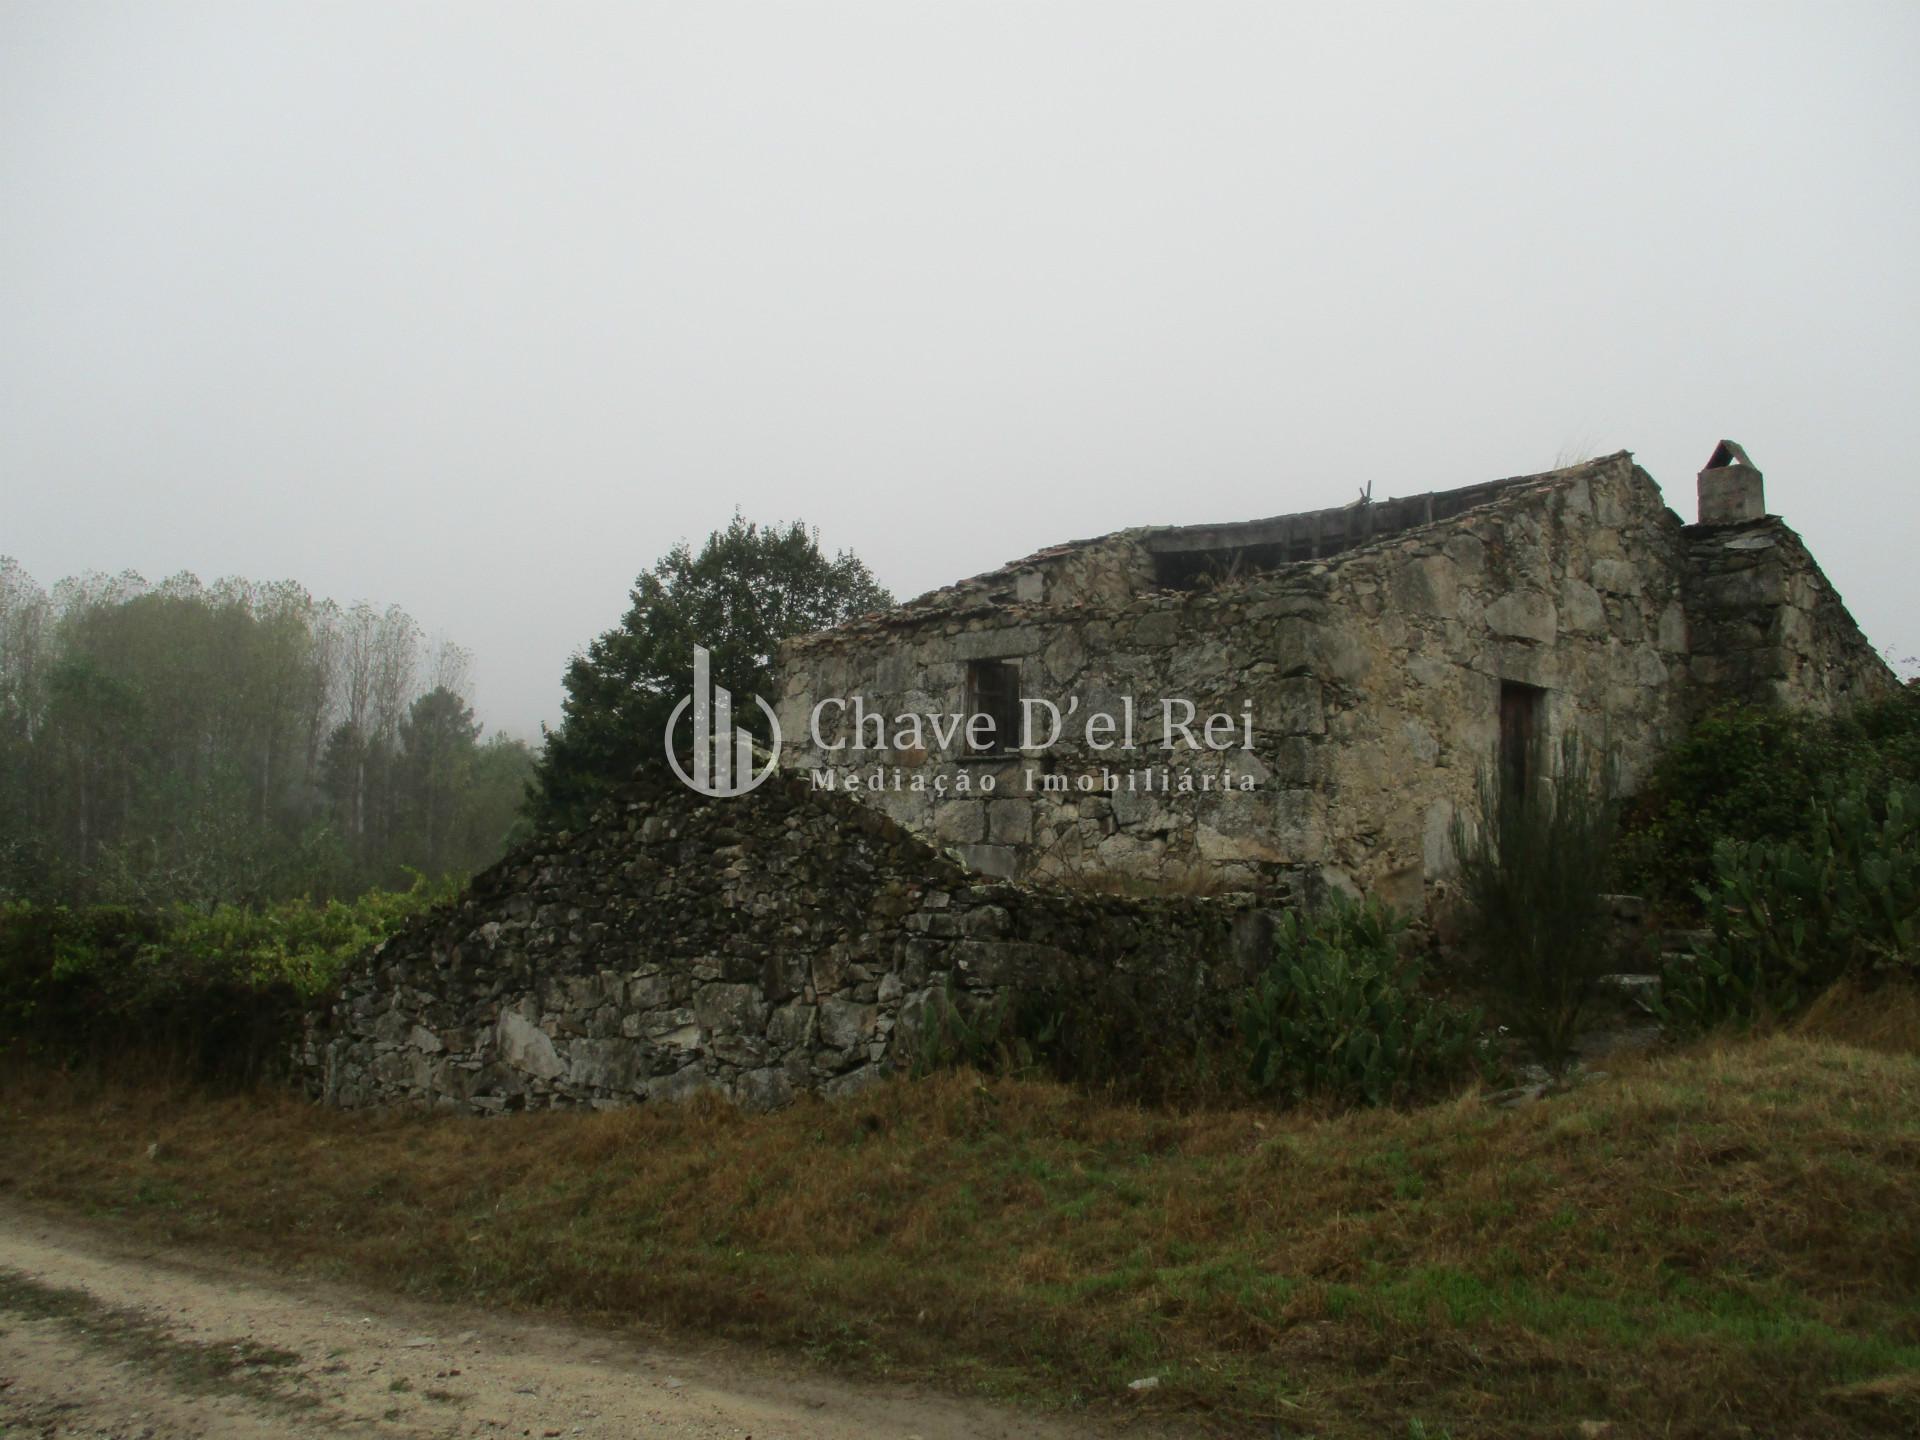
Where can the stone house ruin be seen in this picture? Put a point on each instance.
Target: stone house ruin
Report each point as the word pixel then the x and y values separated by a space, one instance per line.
pixel 1341 679
pixel 1363 666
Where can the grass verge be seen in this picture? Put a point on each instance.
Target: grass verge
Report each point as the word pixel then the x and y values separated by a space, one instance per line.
pixel 1724 1242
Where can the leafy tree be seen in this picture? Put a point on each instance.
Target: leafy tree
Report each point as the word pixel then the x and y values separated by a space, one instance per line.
pixel 749 588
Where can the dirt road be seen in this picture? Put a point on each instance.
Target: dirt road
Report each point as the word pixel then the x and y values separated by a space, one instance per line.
pixel 104 1339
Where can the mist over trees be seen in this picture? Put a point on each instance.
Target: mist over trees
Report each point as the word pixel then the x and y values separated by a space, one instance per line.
pixel 238 742
pixel 234 741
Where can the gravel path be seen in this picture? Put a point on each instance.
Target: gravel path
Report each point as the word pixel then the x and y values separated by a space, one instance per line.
pixel 101 1338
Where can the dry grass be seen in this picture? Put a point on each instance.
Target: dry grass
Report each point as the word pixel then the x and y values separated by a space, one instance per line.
pixel 1881 1017
pixel 1720 1243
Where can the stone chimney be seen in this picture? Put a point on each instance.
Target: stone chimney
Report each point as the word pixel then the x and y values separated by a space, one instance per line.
pixel 1730 487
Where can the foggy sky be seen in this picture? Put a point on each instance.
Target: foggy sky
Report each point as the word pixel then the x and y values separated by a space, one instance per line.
pixel 476 309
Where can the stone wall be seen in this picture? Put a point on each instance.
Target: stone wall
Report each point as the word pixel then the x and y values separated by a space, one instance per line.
pixel 1374 677
pixel 1769 626
pixel 1572 586
pixel 761 946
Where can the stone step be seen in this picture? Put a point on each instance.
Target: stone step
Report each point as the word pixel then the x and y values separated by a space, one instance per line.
pixel 1632 986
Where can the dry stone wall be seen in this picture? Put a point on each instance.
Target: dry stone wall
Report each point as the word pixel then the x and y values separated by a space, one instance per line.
pixel 764 946
pixel 1768 624
pixel 1571 588
pixel 1373 680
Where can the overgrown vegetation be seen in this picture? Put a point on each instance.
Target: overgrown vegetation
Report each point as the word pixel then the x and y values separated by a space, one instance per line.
pixel 1532 868
pixel 1792 839
pixel 1752 774
pixel 215 995
pixel 1787 918
pixel 1339 1015
pixel 1100 1037
pixel 1336 1017
pixel 1716 1243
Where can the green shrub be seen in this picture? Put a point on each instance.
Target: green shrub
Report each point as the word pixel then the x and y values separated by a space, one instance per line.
pixel 1339 1014
pixel 299 942
pixel 1532 868
pixel 1789 917
pixel 1749 773
pixel 1100 1037
pixel 1336 1014
pixel 954 1032
pixel 216 995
